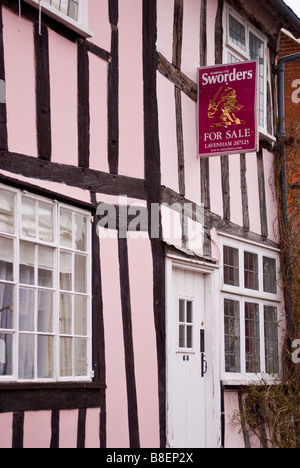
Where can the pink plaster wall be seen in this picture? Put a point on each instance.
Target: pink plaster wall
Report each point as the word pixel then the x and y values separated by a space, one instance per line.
pixel 212 7
pixel 215 174
pixel 37 429
pixel 63 83
pixel 236 212
pixel 6 424
pixel 116 394
pixel 68 425
pixel 167 133
pixel 191 30
pixel 99 23
pixel 253 192
pixel 192 162
pixel 98 113
pixel 165 10
pixel 144 340
pixel 272 209
pixel 92 430
pixel 20 83
pixel 131 110
pixel 233 435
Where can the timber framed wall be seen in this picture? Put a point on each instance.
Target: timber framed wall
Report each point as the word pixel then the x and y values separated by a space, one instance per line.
pixel 101 127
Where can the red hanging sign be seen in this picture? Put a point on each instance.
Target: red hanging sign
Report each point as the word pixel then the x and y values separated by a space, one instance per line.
pixel 227 109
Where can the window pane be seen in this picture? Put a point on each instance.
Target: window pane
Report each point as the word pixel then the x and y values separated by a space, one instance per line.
pixel 237 33
pixel 189 337
pixel 252 338
pixel 189 312
pixel 6 306
pixel 67 7
pixel 26 357
pixel 65 357
pixel 7 224
pixel 28 217
pixel 232 336
pixel 251 270
pixel 271 340
pixel 181 310
pixel 6 354
pixel 45 312
pixel 26 310
pixel 80 232
pixel 80 274
pixel 80 357
pixel 66 227
pixel 181 336
pixel 45 267
pixel 80 317
pixel 231 266
pixel 45 357
pixel 27 261
pixel 270 276
pixel 66 271
pixel 65 317
pixel 6 259
pixel 45 213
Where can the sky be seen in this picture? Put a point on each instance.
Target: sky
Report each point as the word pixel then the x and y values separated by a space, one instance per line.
pixel 294 5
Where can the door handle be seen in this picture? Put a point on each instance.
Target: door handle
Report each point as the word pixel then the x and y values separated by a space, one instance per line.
pixel 204 365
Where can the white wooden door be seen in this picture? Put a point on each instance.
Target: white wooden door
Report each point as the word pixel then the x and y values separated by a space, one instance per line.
pixel 188 361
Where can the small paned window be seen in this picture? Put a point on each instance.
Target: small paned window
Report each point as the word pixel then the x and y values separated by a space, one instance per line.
pixel 251 312
pixel 243 42
pixel 45 291
pixel 185 324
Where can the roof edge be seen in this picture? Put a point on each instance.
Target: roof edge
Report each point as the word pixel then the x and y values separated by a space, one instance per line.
pixel 289 17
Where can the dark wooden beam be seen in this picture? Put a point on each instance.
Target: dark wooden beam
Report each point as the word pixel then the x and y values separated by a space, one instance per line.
pixel 83 178
pixel 83 120
pixel 113 90
pixel 179 79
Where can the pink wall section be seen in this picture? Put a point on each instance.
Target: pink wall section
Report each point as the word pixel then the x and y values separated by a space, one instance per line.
pixel 37 429
pixel 63 82
pixel 20 83
pixel 99 23
pixel 192 163
pixel 190 46
pixel 236 210
pixel 165 9
pixel 144 341
pixel 92 431
pixel 68 423
pixel 167 133
pixel 216 199
pixel 253 192
pixel 272 210
pixel 131 110
pixel 6 424
pixel 98 114
pixel 116 395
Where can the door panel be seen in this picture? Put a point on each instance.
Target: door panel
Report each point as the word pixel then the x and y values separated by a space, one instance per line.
pixel 186 361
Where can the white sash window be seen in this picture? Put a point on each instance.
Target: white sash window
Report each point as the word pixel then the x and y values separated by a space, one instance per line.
pixel 72 13
pixel 251 303
pixel 45 289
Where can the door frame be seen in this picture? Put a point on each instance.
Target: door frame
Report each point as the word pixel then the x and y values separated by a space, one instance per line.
pixel 213 391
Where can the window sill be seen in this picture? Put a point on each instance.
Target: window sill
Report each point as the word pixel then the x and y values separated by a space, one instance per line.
pixel 258 380
pixel 80 29
pixel 265 136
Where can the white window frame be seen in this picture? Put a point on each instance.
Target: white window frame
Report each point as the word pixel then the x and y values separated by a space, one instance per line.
pixel 17 237
pixel 244 295
pixel 80 26
pixel 242 55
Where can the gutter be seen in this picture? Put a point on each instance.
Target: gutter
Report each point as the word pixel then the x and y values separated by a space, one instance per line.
pixel 280 70
pixel 289 16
